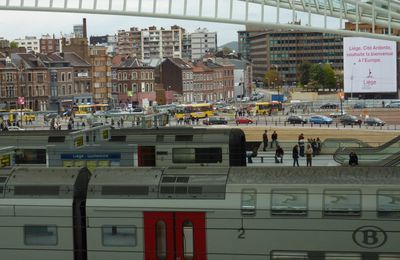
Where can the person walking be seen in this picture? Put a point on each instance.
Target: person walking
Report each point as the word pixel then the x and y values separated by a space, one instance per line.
pixel 279 154
pixel 265 140
pixel 309 155
pixel 301 143
pixel 274 139
pixel 295 155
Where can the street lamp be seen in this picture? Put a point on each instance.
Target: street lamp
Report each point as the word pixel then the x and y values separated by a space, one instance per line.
pixel 352 79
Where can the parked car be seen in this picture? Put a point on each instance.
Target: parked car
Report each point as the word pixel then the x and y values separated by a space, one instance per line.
pixel 243 120
pixel 318 119
pixel 374 121
pixel 393 104
pixel 15 128
pixel 329 106
pixel 359 105
pixel 296 120
pixel 350 120
pixel 215 121
pixel 337 114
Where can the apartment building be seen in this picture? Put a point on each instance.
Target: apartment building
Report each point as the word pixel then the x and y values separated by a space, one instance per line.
pixel 151 42
pixel 30 43
pixel 9 82
pixel 101 73
pixel 202 42
pixel 49 44
pixel 132 82
pixel 33 81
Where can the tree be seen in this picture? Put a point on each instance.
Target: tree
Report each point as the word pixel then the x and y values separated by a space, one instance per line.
pixel 316 76
pixel 226 50
pixel 13 45
pixel 272 78
pixel 329 79
pixel 304 73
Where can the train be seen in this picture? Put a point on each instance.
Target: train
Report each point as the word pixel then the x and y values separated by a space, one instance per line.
pixel 213 213
pixel 161 147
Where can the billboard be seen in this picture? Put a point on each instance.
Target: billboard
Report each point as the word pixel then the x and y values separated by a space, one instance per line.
pixel 369 65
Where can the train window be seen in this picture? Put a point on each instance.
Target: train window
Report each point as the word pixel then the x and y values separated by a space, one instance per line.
pixel 30 156
pixel 119 235
pixel 289 256
pixel 248 203
pixel 389 257
pixel 40 235
pixel 342 202
pixel 289 202
pixel 187 240
pixel 388 204
pixel 197 155
pixel 161 243
pixel 342 256
pixel 184 138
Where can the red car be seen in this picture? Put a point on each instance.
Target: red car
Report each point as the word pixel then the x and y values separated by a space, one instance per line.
pixel 243 120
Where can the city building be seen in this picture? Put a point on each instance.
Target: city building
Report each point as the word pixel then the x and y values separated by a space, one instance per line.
pixel 109 41
pixel 4 43
pixel 49 44
pixel 101 73
pixel 33 81
pixel 151 42
pixel 78 45
pixel 203 82
pixel 285 50
pixel 9 83
pixel 243 77
pixel 30 43
pixel 132 82
pixel 177 76
pixel 244 44
pixel 202 41
pixel 186 47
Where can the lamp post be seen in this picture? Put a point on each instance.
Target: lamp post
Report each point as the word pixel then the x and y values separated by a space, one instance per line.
pixel 352 79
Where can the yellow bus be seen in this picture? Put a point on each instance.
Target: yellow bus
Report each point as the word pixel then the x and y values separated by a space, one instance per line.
pixel 90 109
pixel 265 108
pixel 27 114
pixel 201 110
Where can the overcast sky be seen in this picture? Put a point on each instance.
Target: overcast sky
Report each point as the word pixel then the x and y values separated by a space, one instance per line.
pixel 15 24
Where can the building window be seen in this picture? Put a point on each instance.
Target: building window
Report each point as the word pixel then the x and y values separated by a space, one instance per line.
pixel 134 75
pixel 63 76
pixel 40 235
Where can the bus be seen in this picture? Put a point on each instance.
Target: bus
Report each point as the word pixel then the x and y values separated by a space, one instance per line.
pixel 89 109
pixel 263 108
pixel 201 110
pixel 27 114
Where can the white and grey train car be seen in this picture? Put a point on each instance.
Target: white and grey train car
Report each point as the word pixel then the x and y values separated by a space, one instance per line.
pixel 42 213
pixel 335 213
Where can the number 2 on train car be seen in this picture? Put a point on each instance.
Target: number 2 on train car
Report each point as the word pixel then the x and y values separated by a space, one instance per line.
pixel 175 235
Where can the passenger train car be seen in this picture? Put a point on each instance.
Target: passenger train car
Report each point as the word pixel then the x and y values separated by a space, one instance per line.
pixel 161 147
pixel 335 213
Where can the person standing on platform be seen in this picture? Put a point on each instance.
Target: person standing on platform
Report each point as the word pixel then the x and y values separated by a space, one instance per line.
pixel 279 154
pixel 301 144
pixel 265 140
pixel 309 155
pixel 295 155
pixel 353 159
pixel 274 139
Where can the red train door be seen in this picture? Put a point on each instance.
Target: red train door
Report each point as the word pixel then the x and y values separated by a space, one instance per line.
pixel 174 236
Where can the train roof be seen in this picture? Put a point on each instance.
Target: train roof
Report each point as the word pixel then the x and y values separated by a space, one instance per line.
pixel 173 131
pixel 314 175
pixel 46 182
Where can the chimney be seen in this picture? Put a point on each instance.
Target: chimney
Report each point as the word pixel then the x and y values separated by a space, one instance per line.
pixel 84 28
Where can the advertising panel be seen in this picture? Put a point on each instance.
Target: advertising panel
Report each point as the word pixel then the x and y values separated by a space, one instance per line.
pixel 369 65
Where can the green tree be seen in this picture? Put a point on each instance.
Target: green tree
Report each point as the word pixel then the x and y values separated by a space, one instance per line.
pixel 329 79
pixel 304 73
pixel 226 50
pixel 13 44
pixel 316 76
pixel 272 78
